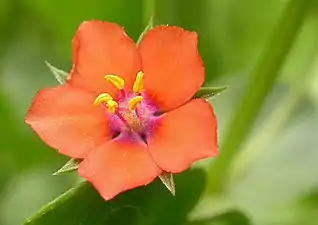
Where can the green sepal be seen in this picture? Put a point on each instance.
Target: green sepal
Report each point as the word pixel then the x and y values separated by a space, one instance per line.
pixel 70 166
pixel 59 75
pixel 167 179
pixel 148 27
pixel 209 93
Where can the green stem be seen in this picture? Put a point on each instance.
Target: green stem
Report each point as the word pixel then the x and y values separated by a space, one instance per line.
pixel 261 82
pixel 277 119
pixel 148 11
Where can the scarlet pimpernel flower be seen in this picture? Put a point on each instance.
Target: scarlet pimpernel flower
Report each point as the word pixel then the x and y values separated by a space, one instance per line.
pixel 128 110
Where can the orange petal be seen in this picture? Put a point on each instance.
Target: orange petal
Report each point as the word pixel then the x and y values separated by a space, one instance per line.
pixel 65 119
pixel 99 49
pixel 172 65
pixel 183 136
pixel 117 166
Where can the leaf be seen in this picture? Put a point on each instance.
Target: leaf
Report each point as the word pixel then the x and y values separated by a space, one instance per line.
pixel 209 93
pixel 228 218
pixel 149 204
pixel 167 179
pixel 59 75
pixel 306 208
pixel 148 27
pixel 70 166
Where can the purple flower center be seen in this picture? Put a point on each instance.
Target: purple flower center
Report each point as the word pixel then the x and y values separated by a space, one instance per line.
pixel 137 123
pixel 132 115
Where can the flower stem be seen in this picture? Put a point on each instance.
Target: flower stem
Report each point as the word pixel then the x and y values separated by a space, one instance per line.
pixel 261 82
pixel 301 74
pixel 148 10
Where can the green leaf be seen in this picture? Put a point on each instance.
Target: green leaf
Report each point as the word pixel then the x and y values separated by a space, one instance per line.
pixel 59 75
pixel 306 208
pixel 70 166
pixel 209 93
pixel 150 204
pixel 148 27
pixel 228 218
pixel 167 179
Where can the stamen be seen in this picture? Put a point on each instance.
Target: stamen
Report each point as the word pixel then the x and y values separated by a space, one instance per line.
pixel 111 106
pixel 138 85
pixel 116 80
pixel 133 102
pixel 104 97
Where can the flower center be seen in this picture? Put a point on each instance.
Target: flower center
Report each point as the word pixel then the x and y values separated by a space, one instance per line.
pixel 131 111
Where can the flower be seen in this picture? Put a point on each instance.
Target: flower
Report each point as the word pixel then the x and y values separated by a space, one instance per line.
pixel 127 110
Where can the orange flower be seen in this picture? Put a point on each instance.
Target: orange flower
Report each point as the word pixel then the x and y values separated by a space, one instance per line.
pixel 127 110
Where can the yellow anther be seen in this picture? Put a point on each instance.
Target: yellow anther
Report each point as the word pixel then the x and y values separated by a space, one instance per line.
pixel 108 99
pixel 116 80
pixel 133 102
pixel 111 106
pixel 104 97
pixel 138 85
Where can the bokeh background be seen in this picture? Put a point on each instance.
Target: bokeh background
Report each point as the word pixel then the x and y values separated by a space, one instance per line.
pixel 271 172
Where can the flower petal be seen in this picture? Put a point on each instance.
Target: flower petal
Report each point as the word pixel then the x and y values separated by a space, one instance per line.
pixel 99 49
pixel 172 65
pixel 65 118
pixel 117 166
pixel 183 136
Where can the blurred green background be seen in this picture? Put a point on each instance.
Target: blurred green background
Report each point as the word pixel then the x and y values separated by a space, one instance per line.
pixel 268 117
